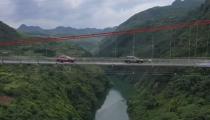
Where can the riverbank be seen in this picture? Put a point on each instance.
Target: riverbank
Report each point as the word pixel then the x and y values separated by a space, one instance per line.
pixel 114 107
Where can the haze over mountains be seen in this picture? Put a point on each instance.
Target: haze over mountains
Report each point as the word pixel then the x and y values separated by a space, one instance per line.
pixel 90 45
pixel 75 92
pixel 60 31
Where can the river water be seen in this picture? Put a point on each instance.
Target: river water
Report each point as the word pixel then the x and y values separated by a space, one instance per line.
pixel 114 107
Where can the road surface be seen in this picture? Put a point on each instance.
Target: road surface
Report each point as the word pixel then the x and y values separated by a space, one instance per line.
pixel 111 62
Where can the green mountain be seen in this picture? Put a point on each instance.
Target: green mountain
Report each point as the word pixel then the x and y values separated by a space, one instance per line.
pixel 37 92
pixel 7 33
pixel 158 15
pixel 90 45
pixel 43 92
pixel 50 50
pixel 59 31
pixel 122 45
pixel 171 93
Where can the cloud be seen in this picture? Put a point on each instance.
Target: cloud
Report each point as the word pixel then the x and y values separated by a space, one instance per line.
pixel 73 3
pixel 75 13
pixel 7 9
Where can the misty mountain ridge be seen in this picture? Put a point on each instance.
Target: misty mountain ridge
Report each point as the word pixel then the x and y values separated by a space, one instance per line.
pixel 156 16
pixel 60 30
pixel 174 12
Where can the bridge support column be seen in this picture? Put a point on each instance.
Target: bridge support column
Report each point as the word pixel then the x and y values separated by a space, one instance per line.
pixel 207 44
pixel 134 42
pixel 38 61
pixel 20 60
pixel 2 61
pixel 196 40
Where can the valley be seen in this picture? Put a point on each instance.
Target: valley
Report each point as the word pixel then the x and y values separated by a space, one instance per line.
pixel 153 66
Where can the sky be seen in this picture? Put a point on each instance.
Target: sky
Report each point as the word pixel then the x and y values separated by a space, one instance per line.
pixel 73 13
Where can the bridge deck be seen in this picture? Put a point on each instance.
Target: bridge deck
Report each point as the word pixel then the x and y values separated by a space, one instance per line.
pixel 111 61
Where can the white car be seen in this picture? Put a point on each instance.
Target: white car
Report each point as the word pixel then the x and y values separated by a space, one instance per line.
pixel 133 59
pixel 150 60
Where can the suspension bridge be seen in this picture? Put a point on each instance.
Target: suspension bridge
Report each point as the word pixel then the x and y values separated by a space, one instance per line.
pixel 182 62
pixel 169 62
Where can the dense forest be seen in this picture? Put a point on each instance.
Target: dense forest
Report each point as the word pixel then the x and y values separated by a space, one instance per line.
pixel 180 96
pixel 37 92
pixel 33 92
pixel 73 93
pixel 176 94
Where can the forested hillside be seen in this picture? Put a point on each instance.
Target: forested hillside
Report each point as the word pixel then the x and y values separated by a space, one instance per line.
pixel 41 92
pixel 48 50
pixel 36 92
pixel 159 16
pixel 7 33
pixel 177 93
pixel 181 95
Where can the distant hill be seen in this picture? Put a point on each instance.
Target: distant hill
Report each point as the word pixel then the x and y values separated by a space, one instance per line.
pixel 52 49
pixel 59 31
pixel 7 32
pixel 90 45
pixel 157 16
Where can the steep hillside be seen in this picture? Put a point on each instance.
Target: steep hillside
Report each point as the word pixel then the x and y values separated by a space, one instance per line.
pixel 177 93
pixel 54 92
pixel 91 45
pixel 157 16
pixel 182 93
pixel 33 92
pixel 50 50
pixel 7 33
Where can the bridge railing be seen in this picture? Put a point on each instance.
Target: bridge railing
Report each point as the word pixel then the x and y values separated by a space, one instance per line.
pixel 47 60
pixel 101 59
pixel 181 61
pixel 23 59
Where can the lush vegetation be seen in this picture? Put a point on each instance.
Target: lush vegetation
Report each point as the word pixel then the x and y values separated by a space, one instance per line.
pixel 159 16
pixel 7 33
pixel 91 45
pixel 51 92
pixel 49 50
pixel 61 92
pixel 37 92
pixel 181 94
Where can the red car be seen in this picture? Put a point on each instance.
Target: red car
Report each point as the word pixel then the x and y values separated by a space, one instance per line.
pixel 64 58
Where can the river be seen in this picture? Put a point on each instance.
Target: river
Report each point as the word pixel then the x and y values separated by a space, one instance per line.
pixel 114 107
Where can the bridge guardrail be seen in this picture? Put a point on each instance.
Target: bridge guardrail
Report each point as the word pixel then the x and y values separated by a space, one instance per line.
pixel 34 59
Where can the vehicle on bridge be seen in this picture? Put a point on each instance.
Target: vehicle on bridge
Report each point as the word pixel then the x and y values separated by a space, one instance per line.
pixel 133 59
pixel 64 58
